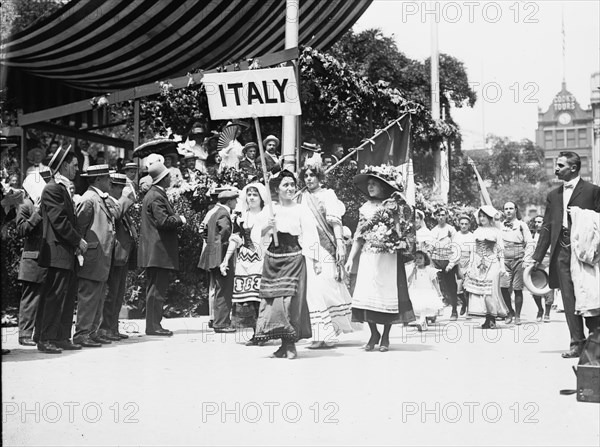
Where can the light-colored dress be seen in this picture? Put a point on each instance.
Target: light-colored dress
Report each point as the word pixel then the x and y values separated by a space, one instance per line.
pixel 328 298
pixel 381 282
pixel 482 278
pixel 421 287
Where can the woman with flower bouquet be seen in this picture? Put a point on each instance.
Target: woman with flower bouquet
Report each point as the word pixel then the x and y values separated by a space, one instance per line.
pixel 385 234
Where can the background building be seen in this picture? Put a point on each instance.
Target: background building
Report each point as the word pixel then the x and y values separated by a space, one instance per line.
pixel 566 126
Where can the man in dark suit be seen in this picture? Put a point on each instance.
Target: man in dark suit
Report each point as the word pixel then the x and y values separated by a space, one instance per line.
pixel 29 227
pixel 61 243
pixel 158 249
pixel 555 234
pixel 125 240
pixel 218 230
pixel 96 222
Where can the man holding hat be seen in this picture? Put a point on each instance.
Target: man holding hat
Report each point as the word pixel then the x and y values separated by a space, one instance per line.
pixel 96 222
pixel 29 227
pixel 125 240
pixel 61 242
pixel 556 235
pixel 158 249
pixel 271 144
pixel 218 229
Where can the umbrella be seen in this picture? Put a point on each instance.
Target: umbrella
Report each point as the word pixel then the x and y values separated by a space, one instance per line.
pixel 162 146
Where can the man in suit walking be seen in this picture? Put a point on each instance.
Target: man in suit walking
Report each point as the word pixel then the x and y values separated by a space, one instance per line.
pixel 119 203
pixel 158 250
pixel 96 222
pixel 556 234
pixel 29 227
pixel 61 243
pixel 218 230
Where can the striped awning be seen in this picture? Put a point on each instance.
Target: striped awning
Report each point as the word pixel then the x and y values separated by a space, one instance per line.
pixel 95 46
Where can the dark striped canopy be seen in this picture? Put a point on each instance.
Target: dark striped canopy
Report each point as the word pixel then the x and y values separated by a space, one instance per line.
pixel 102 46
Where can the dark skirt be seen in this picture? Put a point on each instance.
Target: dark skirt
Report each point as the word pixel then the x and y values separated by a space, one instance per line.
pixel 405 310
pixel 283 311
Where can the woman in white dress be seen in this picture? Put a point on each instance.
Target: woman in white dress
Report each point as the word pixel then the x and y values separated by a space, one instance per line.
pixel 283 312
pixel 482 278
pixel 328 298
pixel 245 242
pixel 381 293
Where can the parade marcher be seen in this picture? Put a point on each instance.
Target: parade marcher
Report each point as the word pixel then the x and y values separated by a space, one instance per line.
pixel 271 144
pixel 381 293
pixel 245 242
pixel 516 238
pixel 328 298
pixel 218 231
pixel 463 246
pixel 158 250
pixel 146 181
pixel 442 236
pixel 32 276
pixel 250 164
pixel 556 235
pixel 548 298
pixel 61 243
pixel 96 223
pixel 482 278
pixel 283 312
pixel 119 203
pixel 422 233
pixel 424 289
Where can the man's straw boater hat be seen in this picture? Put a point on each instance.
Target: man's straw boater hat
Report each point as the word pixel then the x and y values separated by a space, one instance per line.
pixel 97 171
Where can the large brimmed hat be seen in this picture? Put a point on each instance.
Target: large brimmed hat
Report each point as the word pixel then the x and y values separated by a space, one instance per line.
pixel 389 175
pixel 536 280
pixel 58 158
pixel 36 150
pixel 313 147
pixel 271 138
pixel 97 171
pixel 157 171
pixel 488 210
pixel 118 179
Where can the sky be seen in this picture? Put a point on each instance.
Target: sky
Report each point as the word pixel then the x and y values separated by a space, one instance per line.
pixel 512 51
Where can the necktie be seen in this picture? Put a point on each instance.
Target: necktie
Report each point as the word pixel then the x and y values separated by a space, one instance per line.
pixel 568 186
pixel 508 224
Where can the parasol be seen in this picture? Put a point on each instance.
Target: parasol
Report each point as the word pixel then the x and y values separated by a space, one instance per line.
pixel 162 146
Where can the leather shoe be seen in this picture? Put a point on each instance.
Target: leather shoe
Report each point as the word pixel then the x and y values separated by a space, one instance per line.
pixel 101 339
pixel 225 330
pixel 112 337
pixel 160 332
pixel 123 336
pixel 66 345
pixel 454 316
pixel 48 348
pixel 88 343
pixel 572 354
pixel 27 342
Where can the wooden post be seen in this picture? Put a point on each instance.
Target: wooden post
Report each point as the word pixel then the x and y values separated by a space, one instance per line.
pixel 264 169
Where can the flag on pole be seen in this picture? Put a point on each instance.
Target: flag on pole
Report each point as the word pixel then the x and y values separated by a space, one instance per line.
pixel 410 189
pixel 445 175
pixel 389 146
pixel 483 192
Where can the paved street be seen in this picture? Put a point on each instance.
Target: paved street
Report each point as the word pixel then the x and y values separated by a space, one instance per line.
pixel 456 385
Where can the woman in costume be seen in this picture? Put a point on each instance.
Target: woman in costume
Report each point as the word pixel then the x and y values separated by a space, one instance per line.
pixel 328 298
pixel 246 241
pixel 283 312
pixel 482 278
pixel 384 231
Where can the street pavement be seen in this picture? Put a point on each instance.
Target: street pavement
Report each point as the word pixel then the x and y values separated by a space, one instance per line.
pixel 454 385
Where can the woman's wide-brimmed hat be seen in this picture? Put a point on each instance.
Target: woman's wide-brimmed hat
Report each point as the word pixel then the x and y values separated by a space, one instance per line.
pixel 536 280
pixel 388 175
